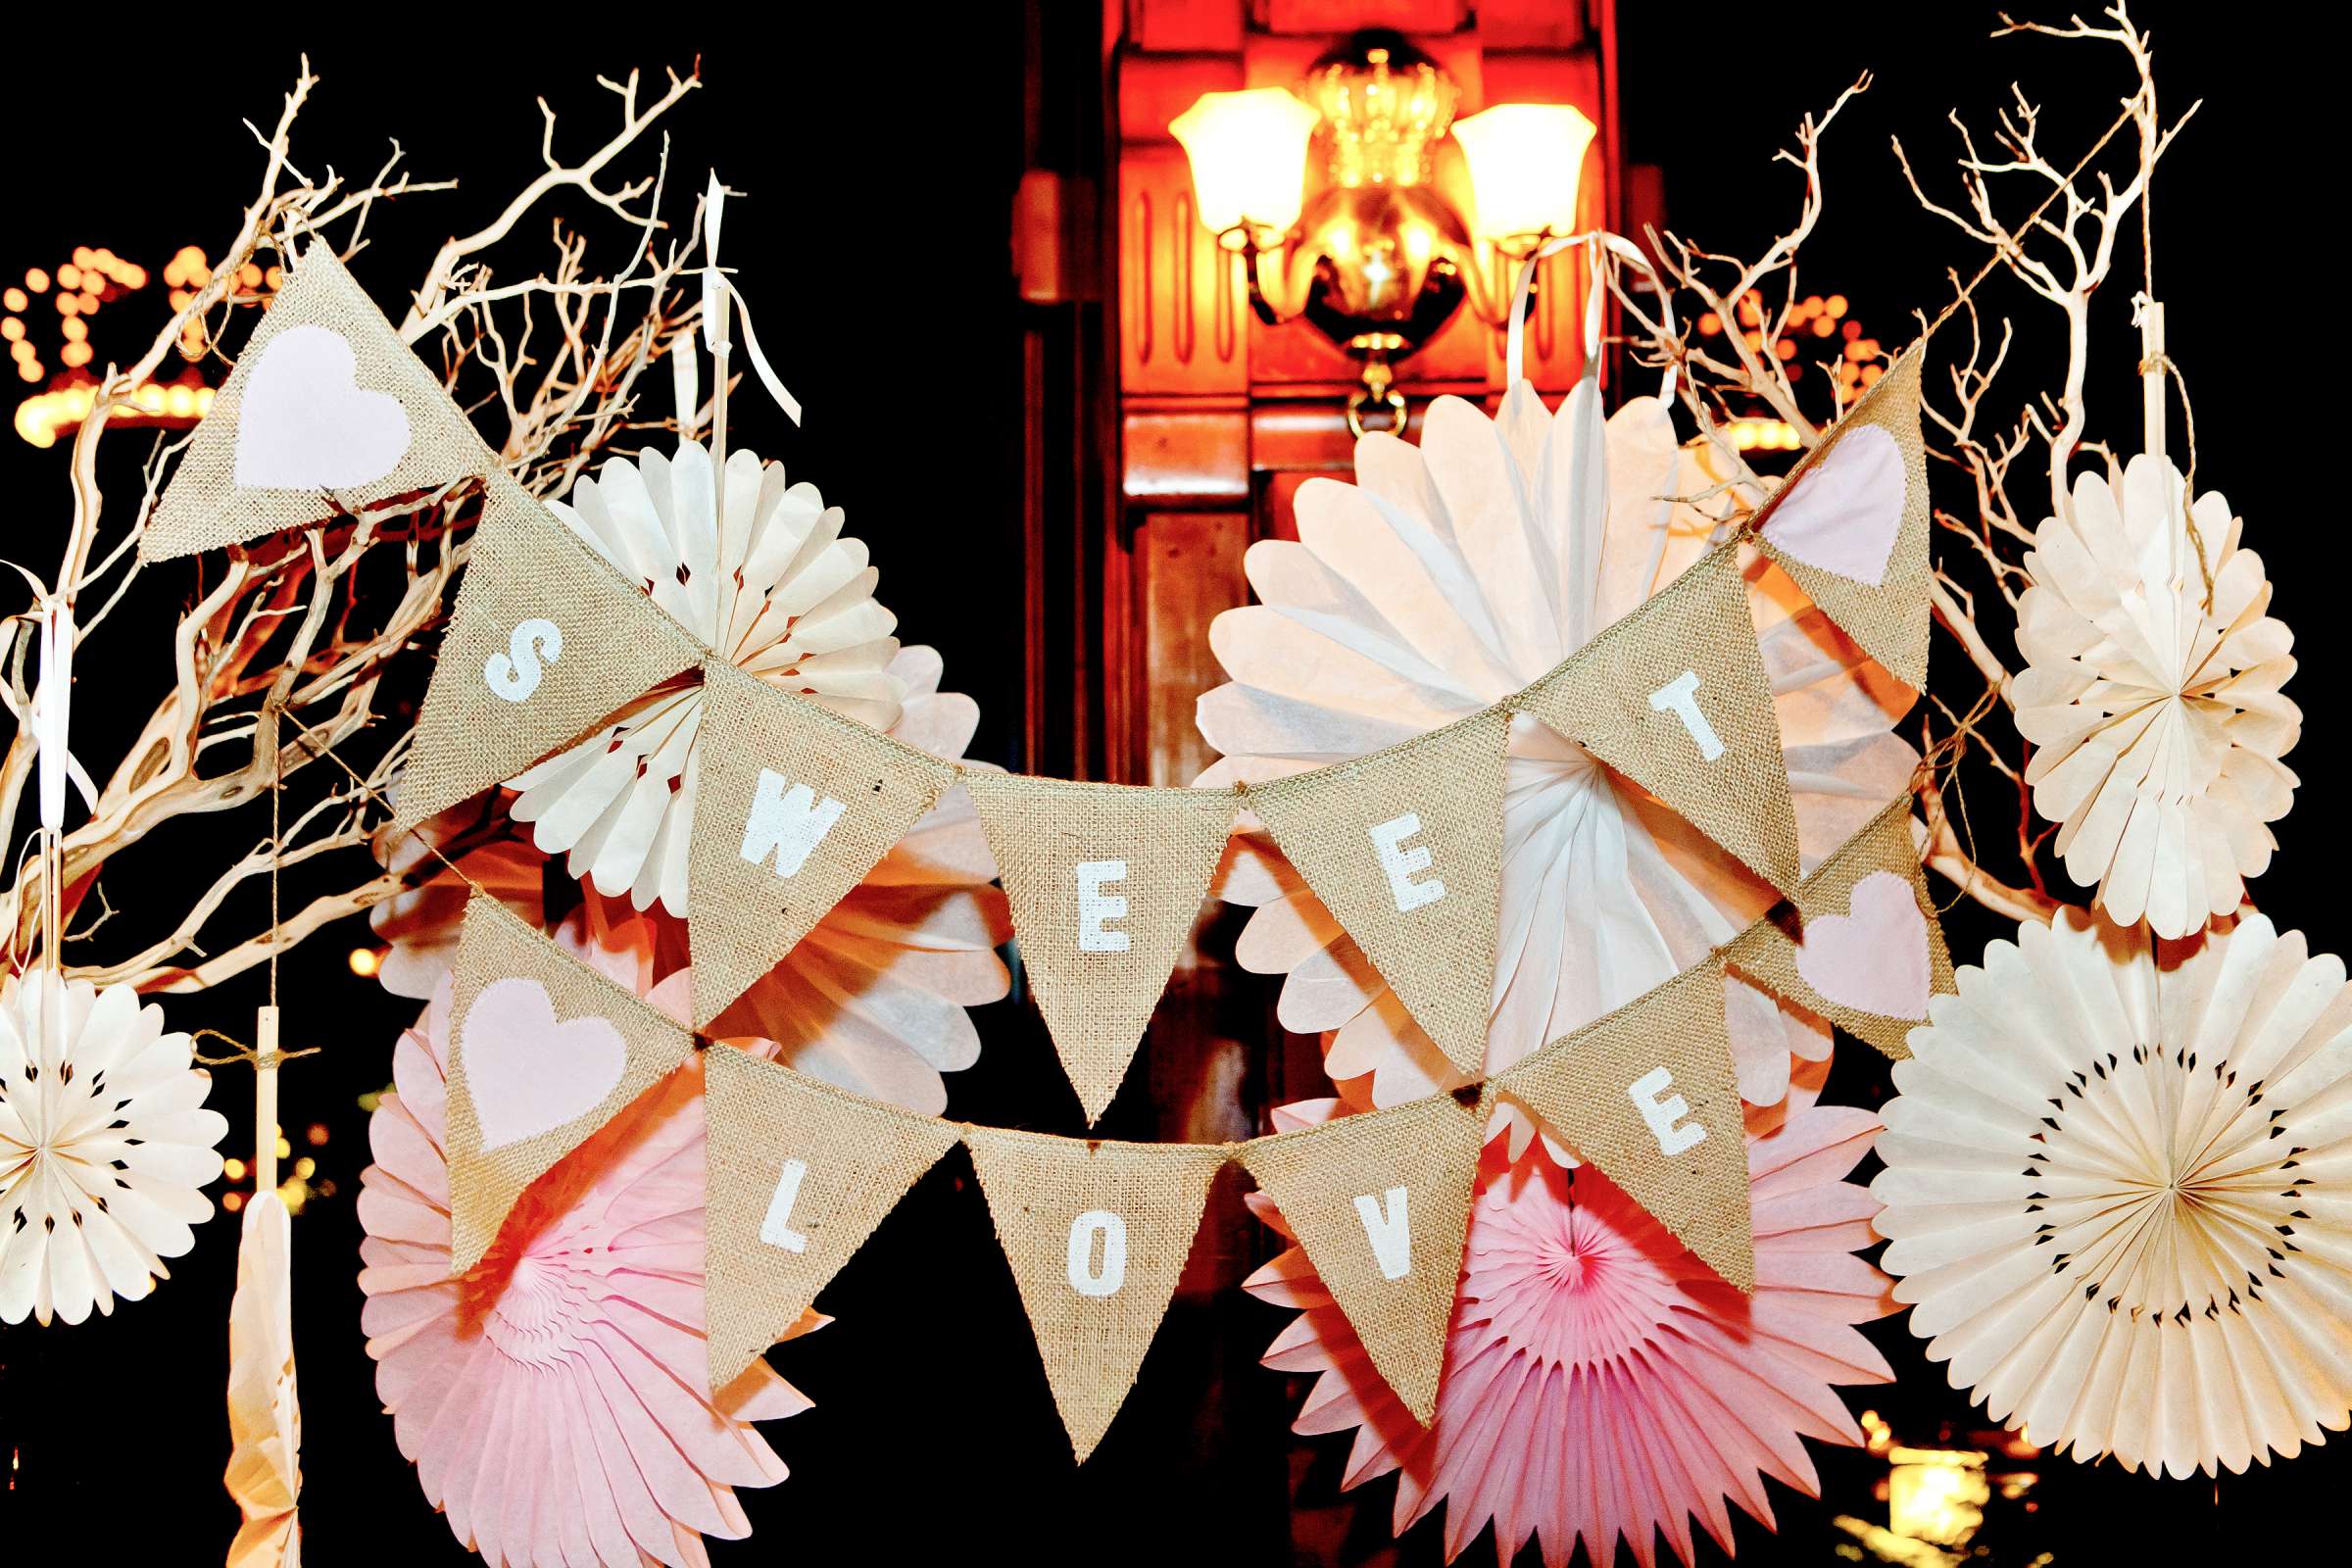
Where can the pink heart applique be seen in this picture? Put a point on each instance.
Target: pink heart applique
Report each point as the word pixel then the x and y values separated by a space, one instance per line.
pixel 305 423
pixel 1843 515
pixel 1874 960
pixel 528 1074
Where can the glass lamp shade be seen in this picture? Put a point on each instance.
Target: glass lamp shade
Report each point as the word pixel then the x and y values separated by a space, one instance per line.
pixel 1249 156
pixel 1525 161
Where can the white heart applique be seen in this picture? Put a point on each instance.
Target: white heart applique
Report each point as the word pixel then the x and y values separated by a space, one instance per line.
pixel 1843 515
pixel 304 422
pixel 1874 958
pixel 528 1074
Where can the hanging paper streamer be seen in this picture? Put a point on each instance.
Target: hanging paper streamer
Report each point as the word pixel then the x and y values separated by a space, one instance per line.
pixel 1096 1235
pixel 1647 1095
pixel 1380 1201
pixel 265 1418
pixel 797 803
pixel 1405 849
pixel 1851 523
pixel 799 1175
pixel 1675 698
pixel 1105 884
pixel 326 410
pixel 547 1051
pixel 1865 949
pixel 547 641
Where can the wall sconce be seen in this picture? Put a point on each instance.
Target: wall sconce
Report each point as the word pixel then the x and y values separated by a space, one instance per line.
pixel 1371 251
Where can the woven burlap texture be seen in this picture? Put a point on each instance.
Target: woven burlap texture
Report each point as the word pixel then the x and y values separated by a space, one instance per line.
pixel 1891 619
pixel 1037 1188
pixel 1168 841
pixel 860 1158
pixel 204 507
pixel 1584 1085
pixel 1314 1176
pixel 1600 698
pixel 1439 956
pixel 618 645
pixel 1766 952
pixel 745 914
pixel 494 945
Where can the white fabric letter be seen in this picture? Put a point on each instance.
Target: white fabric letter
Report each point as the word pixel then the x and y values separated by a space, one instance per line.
pixel 787 823
pixel 1094 906
pixel 1662 1115
pixel 1390 1230
pixel 1085 1278
pixel 515 673
pixel 1681 695
pixel 1400 864
pixel 776 1229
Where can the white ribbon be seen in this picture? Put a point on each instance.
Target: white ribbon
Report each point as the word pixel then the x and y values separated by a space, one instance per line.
pixel 1594 242
pixel 50 718
pixel 719 293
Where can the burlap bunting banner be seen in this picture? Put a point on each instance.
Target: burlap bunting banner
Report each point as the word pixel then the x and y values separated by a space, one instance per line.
pixel 1864 950
pixel 1851 523
pixel 326 410
pixel 1106 883
pixel 800 1173
pixel 546 1050
pixel 796 804
pixel 1647 1095
pixel 1674 697
pixel 1381 1203
pixel 546 643
pixel 1096 1235
pixel 1404 847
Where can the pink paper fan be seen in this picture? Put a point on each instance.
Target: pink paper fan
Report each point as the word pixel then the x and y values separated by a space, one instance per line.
pixel 551 1399
pixel 1600 1382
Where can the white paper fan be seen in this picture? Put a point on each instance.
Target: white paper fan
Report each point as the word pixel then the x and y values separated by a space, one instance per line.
pixel 2119 1191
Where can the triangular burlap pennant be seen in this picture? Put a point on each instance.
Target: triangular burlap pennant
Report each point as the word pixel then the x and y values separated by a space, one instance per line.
pixel 1864 950
pixel 544 1052
pixel 1096 1235
pixel 1106 883
pixel 1851 523
pixel 1380 1202
pixel 796 804
pixel 800 1174
pixel 1647 1095
pixel 1404 847
pixel 1674 697
pixel 546 642
pixel 326 410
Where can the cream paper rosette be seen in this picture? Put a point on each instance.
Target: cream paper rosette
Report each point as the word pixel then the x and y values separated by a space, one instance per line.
pixel 2117 1197
pixel 777 590
pixel 1448 576
pixel 2152 698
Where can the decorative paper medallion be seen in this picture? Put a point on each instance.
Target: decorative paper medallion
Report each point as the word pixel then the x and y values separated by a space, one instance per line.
pixel 1096 1235
pixel 2116 1192
pixel 326 410
pixel 796 804
pixel 1863 948
pixel 801 1173
pixel 1405 848
pixel 1674 697
pixel 1851 523
pixel 1647 1095
pixel 1105 884
pixel 2151 697
pixel 1380 1201
pixel 546 1052
pixel 546 643
pixel 105 1147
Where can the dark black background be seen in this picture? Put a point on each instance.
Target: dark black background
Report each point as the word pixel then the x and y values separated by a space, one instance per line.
pixel 879 149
